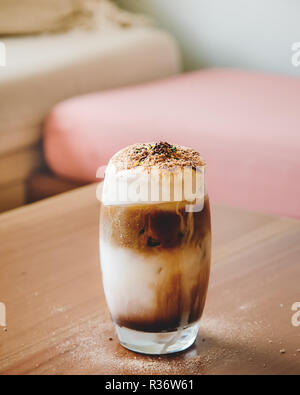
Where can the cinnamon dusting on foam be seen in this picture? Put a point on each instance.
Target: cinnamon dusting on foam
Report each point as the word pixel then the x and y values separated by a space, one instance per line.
pixel 162 155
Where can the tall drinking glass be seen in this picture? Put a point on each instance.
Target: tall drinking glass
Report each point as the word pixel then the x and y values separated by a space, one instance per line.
pixel 155 253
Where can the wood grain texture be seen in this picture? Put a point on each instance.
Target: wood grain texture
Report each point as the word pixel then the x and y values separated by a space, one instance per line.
pixel 58 323
pixel 12 195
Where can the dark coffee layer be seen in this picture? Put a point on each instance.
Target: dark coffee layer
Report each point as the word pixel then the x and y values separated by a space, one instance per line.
pixel 149 227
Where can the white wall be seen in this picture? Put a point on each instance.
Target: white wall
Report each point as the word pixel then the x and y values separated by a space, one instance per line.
pixel 253 34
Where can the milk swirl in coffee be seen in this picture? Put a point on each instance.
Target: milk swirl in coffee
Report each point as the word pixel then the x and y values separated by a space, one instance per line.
pixel 155 238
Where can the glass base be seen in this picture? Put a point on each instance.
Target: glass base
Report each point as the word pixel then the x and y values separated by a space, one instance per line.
pixel 157 343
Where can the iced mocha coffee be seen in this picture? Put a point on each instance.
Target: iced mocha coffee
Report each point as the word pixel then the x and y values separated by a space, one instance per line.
pixel 155 255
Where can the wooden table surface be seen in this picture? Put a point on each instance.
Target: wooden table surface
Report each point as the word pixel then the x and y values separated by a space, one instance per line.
pixel 58 323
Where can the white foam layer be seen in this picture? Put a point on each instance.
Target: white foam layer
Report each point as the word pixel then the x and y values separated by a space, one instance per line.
pixel 139 185
pixel 128 279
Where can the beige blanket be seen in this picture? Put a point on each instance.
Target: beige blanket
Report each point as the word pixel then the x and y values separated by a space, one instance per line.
pixel 40 16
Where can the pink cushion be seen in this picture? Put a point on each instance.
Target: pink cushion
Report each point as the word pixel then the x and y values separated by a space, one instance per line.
pixel 246 125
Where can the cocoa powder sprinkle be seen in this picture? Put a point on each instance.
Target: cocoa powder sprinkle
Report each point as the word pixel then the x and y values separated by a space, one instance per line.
pixel 160 155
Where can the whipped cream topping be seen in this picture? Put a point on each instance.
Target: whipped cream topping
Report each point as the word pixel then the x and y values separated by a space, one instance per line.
pixel 134 177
